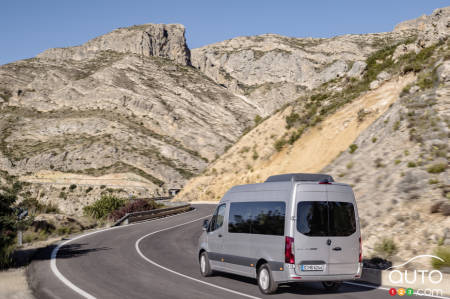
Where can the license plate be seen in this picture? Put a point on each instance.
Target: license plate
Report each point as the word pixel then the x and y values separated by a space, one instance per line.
pixel 313 267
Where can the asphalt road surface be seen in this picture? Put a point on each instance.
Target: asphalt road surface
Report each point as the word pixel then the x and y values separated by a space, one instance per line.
pixel 154 259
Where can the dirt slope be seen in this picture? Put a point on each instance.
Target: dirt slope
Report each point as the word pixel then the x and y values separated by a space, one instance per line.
pixel 253 158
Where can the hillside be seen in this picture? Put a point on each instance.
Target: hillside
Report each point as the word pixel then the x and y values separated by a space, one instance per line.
pixel 271 70
pixel 383 130
pixel 254 157
pixel 135 112
pixel 115 107
pixel 400 172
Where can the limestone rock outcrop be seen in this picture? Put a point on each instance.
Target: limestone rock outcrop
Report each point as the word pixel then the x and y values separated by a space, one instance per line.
pixel 160 40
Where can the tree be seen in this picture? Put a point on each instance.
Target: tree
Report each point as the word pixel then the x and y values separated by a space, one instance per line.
pixel 8 229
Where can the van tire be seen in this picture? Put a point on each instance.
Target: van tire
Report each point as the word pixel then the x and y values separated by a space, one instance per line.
pixel 266 283
pixel 331 286
pixel 205 266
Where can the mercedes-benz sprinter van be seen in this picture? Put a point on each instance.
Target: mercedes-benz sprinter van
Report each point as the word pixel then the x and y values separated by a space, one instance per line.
pixel 291 228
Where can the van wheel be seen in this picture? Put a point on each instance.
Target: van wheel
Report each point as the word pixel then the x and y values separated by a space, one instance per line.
pixel 331 286
pixel 205 267
pixel 265 280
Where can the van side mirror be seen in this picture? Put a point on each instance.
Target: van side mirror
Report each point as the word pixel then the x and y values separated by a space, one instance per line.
pixel 205 224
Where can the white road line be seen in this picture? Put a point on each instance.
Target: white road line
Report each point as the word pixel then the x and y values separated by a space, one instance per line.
pixel 178 273
pixel 54 254
pixel 387 289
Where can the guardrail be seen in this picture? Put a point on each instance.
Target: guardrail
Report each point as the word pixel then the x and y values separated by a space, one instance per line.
pixel 157 213
pixel 161 198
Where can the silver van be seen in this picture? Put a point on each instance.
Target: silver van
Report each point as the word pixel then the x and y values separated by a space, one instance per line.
pixel 291 228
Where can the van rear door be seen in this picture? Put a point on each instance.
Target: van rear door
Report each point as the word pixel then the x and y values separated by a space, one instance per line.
pixel 311 230
pixel 344 230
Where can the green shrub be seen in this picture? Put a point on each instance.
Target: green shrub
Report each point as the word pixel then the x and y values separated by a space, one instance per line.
pixel 386 248
pixel 72 187
pixel 349 165
pixel 258 119
pixel 8 228
pixel 444 253
pixel 411 164
pixel 396 162
pixel 89 189
pixel 296 135
pixel 374 139
pixel 291 119
pixel 64 230
pixel 406 89
pixel 379 61
pixel 416 62
pixel 433 181
pixel 396 125
pixel 102 207
pixel 352 148
pixel 425 81
pixel 62 195
pixel 279 144
pixel 437 168
pixel 255 155
pixel 319 97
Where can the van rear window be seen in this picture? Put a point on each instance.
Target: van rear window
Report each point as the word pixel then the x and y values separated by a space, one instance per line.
pixel 323 218
pixel 258 217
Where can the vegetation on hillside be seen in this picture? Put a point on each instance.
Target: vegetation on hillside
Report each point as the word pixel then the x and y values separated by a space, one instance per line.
pixel 310 110
pixel 8 227
pixel 444 253
pixel 137 205
pixel 114 208
pixel 104 206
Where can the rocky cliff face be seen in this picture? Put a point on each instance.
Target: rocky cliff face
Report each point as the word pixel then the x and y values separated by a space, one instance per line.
pixel 432 28
pixel 125 102
pixel 159 40
pixel 271 70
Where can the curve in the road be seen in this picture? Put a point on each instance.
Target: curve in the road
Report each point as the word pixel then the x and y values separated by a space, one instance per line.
pixel 156 259
pixel 178 273
pixel 67 282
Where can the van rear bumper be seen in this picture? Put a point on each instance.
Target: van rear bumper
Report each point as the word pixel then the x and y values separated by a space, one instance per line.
pixel 290 275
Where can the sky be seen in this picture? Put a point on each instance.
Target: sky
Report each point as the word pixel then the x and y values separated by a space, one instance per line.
pixel 30 27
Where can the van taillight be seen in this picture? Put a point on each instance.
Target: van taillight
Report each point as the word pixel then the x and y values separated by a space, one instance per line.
pixel 289 251
pixel 360 250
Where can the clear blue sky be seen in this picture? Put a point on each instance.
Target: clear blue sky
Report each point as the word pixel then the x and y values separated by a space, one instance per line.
pixel 29 27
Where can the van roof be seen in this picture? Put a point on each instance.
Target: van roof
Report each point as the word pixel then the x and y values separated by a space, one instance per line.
pixel 300 177
pixel 274 186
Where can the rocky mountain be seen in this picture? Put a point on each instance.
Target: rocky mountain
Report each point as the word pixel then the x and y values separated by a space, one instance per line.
pixel 127 102
pixel 271 70
pixel 136 112
pixel 383 129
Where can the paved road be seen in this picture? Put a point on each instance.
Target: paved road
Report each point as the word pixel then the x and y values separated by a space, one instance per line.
pixel 107 264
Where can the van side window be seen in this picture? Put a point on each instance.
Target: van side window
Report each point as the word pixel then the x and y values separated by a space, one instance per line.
pixel 217 218
pixel 263 217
